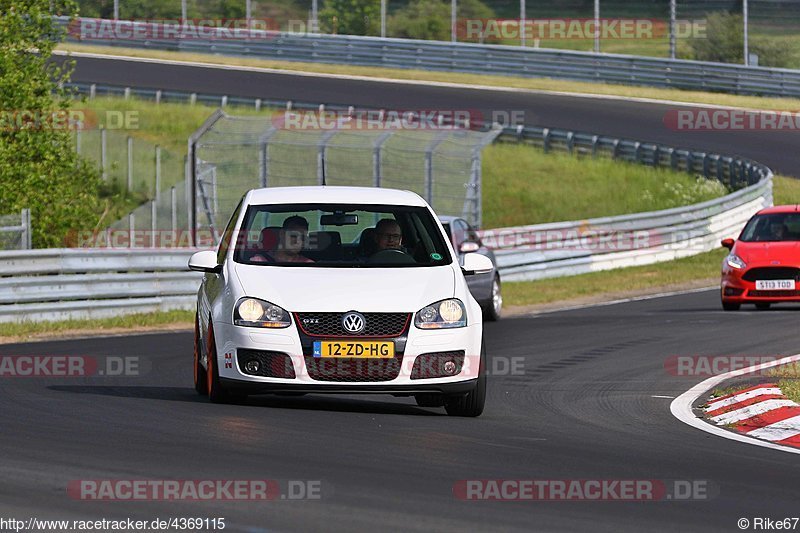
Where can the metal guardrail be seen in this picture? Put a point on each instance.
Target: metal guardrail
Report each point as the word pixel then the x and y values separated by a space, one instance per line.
pixel 460 57
pixel 60 284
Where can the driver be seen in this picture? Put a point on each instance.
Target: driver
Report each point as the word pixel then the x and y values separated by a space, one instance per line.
pixel 777 231
pixel 388 235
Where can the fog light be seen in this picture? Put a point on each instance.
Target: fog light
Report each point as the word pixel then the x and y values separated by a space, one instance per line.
pixel 252 366
pixel 450 367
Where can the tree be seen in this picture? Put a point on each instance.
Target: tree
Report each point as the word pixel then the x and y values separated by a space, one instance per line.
pixel 39 168
pixel 724 43
pixel 351 17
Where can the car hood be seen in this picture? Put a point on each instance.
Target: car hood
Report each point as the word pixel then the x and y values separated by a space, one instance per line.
pixel 315 289
pixel 752 253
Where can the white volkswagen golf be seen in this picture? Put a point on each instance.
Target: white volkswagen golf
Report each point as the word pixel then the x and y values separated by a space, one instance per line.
pixel 339 290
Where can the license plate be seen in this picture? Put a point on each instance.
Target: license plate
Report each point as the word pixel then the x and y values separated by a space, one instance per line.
pixel 775 284
pixel 355 349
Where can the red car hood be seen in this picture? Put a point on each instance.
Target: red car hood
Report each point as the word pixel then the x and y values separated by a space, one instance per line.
pixel 767 253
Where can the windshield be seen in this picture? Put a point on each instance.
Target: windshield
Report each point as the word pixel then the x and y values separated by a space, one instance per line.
pixel 773 227
pixel 338 235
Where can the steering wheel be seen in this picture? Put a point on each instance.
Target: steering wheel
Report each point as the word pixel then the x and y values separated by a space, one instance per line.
pixel 391 255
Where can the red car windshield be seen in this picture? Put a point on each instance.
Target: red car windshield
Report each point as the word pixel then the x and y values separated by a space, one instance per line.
pixel 772 227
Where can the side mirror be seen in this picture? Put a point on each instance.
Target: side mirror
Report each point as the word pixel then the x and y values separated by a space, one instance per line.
pixel 469 247
pixel 476 264
pixel 728 243
pixel 205 261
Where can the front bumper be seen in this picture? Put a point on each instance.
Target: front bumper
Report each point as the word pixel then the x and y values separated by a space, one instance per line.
pixel 734 289
pixel 293 347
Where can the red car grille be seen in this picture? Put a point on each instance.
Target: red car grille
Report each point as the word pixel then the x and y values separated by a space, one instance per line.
pixel 774 294
pixel 772 273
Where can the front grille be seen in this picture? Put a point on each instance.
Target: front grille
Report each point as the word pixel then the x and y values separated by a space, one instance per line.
pixel 772 273
pixel 330 324
pixel 346 369
pixel 775 294
pixel 271 364
pixel 431 365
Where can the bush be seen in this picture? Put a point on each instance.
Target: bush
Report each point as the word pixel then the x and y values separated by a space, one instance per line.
pixel 724 43
pixel 351 17
pixel 39 168
pixel 430 19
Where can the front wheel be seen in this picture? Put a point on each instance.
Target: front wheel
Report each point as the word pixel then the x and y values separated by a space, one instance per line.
pixel 472 403
pixel 493 309
pixel 216 393
pixel 200 379
pixel 728 306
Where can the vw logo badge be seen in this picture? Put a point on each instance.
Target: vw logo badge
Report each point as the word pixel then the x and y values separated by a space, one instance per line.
pixel 353 322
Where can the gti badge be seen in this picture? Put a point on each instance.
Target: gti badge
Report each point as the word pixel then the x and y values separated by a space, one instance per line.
pixel 353 322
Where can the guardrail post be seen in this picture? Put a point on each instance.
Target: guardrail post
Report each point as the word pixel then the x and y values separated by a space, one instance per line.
pixel 657 156
pixel 127 93
pixel 92 91
pixel 257 104
pixel 595 139
pixel 706 165
pixel 546 139
pixel 158 96
pixel 673 159
pixel 192 98
pixel 690 162
pixel 520 132
pixel 615 149
pixel 570 141
pixel 637 149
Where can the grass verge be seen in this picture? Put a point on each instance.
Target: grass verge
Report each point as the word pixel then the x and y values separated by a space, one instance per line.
pixel 542 84
pixel 18 332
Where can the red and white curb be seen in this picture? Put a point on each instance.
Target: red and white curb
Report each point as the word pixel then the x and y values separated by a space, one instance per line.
pixel 760 415
pixel 762 412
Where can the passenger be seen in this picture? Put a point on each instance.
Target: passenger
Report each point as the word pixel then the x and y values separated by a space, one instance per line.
pixel 293 237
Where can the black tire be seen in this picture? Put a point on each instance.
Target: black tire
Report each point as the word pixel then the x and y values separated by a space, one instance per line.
pixel 727 306
pixel 216 392
pixel 493 309
pixel 763 306
pixel 472 403
pixel 200 379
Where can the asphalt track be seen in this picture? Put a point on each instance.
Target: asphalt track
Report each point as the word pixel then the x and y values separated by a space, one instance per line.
pixel 583 407
pixel 636 120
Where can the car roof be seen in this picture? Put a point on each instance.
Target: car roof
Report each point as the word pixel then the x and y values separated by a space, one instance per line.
pixel 333 195
pixel 779 209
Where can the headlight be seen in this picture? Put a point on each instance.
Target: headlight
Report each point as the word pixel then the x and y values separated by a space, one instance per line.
pixel 735 261
pixel 260 314
pixel 445 314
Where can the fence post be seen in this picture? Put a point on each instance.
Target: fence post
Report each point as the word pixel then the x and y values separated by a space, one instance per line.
pixel 173 204
pixel 153 224
pixel 103 150
pixel 377 164
pixel 25 238
pixel 130 163
pixel 131 229
pixel 157 194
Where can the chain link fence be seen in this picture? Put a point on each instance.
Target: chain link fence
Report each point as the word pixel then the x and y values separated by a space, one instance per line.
pixel 15 231
pixel 234 154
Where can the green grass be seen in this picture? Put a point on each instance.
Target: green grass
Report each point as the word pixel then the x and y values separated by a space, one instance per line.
pixel 523 185
pixel 142 320
pixel 545 84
